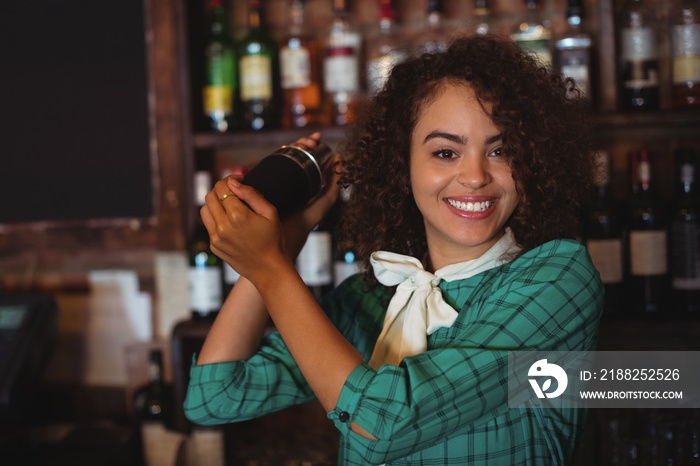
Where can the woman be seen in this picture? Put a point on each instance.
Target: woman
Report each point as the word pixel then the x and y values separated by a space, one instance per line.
pixel 467 172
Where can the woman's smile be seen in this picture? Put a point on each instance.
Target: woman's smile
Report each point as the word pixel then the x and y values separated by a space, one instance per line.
pixel 472 207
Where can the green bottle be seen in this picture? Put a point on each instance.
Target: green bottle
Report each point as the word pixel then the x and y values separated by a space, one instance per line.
pixel 534 33
pixel 257 70
pixel 219 72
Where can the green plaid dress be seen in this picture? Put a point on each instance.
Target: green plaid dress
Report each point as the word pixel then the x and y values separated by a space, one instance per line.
pixel 449 404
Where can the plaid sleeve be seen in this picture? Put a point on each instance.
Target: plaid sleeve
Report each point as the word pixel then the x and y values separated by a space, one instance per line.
pixel 547 299
pixel 240 390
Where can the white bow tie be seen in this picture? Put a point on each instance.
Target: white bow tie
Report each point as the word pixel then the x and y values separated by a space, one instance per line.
pixel 417 308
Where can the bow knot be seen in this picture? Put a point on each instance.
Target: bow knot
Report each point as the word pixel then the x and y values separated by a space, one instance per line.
pixel 417 308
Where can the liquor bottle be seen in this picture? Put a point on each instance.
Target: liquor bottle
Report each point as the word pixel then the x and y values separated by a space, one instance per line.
pixel 534 34
pixel 482 17
pixel 257 74
pixel 384 48
pixel 647 245
pixel 603 235
pixel 433 36
pixel 685 235
pixel 574 49
pixel 638 64
pixel 204 273
pixel 153 407
pixel 314 262
pixel 685 56
pixel 299 69
pixel 345 260
pixel 342 93
pixel 219 71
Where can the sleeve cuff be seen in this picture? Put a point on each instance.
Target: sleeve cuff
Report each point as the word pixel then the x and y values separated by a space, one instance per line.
pixel 350 396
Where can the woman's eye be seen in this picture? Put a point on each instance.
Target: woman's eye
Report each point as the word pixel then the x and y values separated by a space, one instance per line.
pixel 497 152
pixel 444 154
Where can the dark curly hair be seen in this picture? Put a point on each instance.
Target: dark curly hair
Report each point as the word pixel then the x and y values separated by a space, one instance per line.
pixel 545 123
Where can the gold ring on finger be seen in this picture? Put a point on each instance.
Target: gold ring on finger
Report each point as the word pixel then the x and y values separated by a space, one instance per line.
pixel 221 199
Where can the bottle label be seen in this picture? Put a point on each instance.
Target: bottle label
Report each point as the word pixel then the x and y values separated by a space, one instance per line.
pixel 205 288
pixel 638 44
pixel 648 254
pixel 639 65
pixel 230 275
pixel 343 270
pixel 686 69
pixel 256 77
pixel 217 99
pixel 686 40
pixel 574 63
pixel 220 69
pixel 686 256
pixel 314 263
pixel 606 255
pixel 378 69
pixel 540 48
pixel 340 70
pixel 160 445
pixel 295 67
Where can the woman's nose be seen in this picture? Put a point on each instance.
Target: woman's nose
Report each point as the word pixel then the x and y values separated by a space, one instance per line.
pixel 473 171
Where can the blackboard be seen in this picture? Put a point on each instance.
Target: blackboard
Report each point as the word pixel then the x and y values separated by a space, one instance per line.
pixel 74 113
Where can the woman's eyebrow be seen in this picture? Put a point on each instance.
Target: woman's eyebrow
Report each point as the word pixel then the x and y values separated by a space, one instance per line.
pixel 494 138
pixel 459 139
pixel 449 136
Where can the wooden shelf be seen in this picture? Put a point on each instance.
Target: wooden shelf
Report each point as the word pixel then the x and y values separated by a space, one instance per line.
pixel 204 140
pixel 665 119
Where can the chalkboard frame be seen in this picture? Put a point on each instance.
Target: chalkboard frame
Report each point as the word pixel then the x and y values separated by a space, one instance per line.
pixel 77 145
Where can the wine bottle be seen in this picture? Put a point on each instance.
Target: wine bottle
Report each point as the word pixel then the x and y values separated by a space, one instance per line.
pixel 647 254
pixel 342 94
pixel 205 272
pixel 534 33
pixel 384 48
pixel 345 260
pixel 433 37
pixel 638 58
pixel 314 262
pixel 299 71
pixel 685 236
pixel 685 56
pixel 603 236
pixel 574 49
pixel 219 71
pixel 482 18
pixel 154 409
pixel 257 74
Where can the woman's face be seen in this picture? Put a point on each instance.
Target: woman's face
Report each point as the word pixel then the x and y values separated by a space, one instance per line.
pixel 462 182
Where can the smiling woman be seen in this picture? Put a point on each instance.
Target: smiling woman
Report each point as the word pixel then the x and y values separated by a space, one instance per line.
pixel 464 213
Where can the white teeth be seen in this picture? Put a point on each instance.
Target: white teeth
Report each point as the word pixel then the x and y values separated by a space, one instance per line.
pixel 470 206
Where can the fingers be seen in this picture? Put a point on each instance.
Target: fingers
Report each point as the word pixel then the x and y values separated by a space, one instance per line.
pixel 253 199
pixel 308 142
